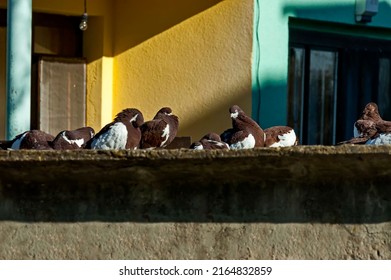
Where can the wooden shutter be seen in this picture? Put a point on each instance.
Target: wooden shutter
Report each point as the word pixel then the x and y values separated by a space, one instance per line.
pixel 61 93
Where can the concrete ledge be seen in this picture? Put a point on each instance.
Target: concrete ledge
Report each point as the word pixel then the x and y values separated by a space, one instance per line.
pixel 300 202
pixel 347 184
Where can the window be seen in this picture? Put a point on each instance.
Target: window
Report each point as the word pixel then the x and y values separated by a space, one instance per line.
pixel 331 78
pixel 318 102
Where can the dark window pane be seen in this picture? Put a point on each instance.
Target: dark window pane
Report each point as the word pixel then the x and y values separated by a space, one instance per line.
pixel 384 97
pixel 296 89
pixel 3 33
pixel 322 98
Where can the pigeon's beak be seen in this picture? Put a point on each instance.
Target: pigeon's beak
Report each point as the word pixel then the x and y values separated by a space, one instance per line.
pixel 235 115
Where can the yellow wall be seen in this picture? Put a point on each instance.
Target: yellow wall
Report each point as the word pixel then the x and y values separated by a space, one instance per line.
pixel 199 67
pixel 191 55
pixel 98 43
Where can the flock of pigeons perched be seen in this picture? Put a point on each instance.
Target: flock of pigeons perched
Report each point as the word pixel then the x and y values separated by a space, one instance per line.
pixel 247 134
pixel 129 131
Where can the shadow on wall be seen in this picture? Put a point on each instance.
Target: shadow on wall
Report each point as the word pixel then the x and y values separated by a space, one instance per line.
pixel 213 120
pixel 145 19
pixel 199 68
pixel 95 38
pixel 215 117
pixel 338 13
pixel 271 92
pixel 268 96
pixel 332 12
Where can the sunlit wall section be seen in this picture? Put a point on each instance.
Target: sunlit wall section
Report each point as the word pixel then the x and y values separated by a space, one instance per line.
pixel 199 65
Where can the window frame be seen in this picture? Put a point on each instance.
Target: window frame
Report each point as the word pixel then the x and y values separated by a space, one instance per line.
pixel 319 37
pixel 306 79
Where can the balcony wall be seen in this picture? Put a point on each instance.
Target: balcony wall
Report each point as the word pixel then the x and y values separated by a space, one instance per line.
pixel 295 203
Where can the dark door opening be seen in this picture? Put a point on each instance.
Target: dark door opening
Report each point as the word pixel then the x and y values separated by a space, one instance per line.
pixel 58 74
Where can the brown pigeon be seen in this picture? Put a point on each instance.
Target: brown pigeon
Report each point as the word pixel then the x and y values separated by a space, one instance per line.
pixel 245 132
pixel 30 140
pixel 73 139
pixel 280 136
pixel 210 141
pixel 161 131
pixel 123 133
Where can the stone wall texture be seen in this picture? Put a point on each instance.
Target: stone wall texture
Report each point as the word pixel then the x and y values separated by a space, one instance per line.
pixel 311 202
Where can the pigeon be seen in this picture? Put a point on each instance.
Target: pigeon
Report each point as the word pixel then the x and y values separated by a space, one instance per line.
pixel 371 112
pixel 226 135
pixel 210 141
pixel 245 132
pixel 30 140
pixel 370 133
pixel 73 139
pixel 123 133
pixel 370 128
pixel 161 131
pixel 280 136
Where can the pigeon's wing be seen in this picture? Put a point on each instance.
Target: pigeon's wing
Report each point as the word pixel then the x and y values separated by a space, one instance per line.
pixel 280 136
pixel 154 134
pixel 112 136
pixel 354 140
pixel 383 126
pixel 367 129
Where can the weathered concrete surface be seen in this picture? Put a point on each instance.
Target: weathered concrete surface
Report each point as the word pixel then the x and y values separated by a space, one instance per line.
pixel 129 240
pixel 294 203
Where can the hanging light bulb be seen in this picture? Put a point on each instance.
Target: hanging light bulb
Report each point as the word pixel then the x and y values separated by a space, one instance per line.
pixel 84 19
pixel 83 24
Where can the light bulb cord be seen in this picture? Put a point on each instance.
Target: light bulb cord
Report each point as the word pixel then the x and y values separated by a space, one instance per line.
pixel 84 18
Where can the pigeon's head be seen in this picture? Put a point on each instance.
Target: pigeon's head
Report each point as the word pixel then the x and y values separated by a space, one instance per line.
pixel 212 136
pixel 165 111
pixel 132 115
pixel 371 111
pixel 235 110
pixel 86 132
pixel 372 107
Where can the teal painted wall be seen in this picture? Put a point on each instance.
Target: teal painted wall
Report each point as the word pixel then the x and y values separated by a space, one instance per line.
pixel 270 47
